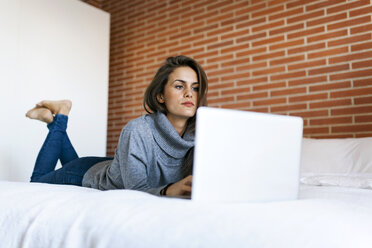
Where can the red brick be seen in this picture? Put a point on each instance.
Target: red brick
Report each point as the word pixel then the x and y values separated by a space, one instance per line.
pixel 363 118
pixel 352 128
pixel 251 37
pixel 241 105
pixel 285 14
pixel 348 6
pixel 323 4
pixel 308 97
pixel 305 17
pixel 267 11
pixel 351 92
pixel 235 91
pixel 362 46
pixel 352 74
pixel 268 86
pixel 326 19
pixel 252 66
pixel 306 32
pixel 312 113
pixel 235 20
pixel 260 109
pixel 205 28
pixel 350 57
pixel 314 63
pixel 363 37
pixel 220 72
pixel 236 62
pixel 315 130
pixel 220 44
pixel 251 51
pixel 288 75
pixel 331 120
pixel 287 44
pixel 330 86
pixel 219 18
pixel 351 110
pixel 328 35
pixel 328 52
pixel 234 48
pixel 348 23
pixel 250 9
pixel 286 29
pixel 288 107
pixel 219 31
pixel 233 7
pixel 251 96
pixel 307 80
pixel 250 23
pixel 363 100
pixel 361 29
pixel 268 102
pixel 252 81
pixel 268 56
pixel 236 76
pixel 268 26
pixel 287 60
pixel 268 41
pixel 268 71
pixel 329 69
pixel 290 91
pixel 362 64
pixel 306 48
pixel 234 34
pixel 363 82
pixel 296 3
pixel 221 99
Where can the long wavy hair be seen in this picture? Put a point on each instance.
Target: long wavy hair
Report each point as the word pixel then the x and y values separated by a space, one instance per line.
pixel 157 85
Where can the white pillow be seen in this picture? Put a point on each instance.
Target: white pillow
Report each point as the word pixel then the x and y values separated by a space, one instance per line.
pixel 331 161
pixel 363 181
pixel 336 156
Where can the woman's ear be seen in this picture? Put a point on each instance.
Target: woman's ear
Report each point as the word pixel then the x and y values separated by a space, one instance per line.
pixel 160 98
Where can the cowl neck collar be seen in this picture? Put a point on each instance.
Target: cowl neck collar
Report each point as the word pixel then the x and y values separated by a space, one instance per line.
pixel 167 137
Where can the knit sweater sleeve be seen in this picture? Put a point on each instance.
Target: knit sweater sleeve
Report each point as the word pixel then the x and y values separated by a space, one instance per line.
pixel 131 155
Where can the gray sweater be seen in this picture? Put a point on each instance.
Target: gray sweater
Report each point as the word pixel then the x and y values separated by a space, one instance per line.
pixel 149 155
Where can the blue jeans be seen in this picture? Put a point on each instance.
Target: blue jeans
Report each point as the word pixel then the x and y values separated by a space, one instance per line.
pixel 56 146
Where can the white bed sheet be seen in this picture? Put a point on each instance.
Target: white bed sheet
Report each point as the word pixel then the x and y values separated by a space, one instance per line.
pixel 42 215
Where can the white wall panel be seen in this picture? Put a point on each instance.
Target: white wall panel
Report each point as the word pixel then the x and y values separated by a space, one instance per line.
pixel 51 49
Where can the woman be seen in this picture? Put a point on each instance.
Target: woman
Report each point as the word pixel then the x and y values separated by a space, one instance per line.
pixel 154 151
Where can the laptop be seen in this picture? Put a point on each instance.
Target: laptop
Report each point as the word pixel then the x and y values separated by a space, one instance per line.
pixel 243 156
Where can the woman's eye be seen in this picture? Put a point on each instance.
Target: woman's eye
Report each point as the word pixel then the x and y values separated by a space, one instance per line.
pixel 195 89
pixel 179 87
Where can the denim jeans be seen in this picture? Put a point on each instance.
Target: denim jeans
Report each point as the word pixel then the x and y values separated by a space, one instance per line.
pixel 56 146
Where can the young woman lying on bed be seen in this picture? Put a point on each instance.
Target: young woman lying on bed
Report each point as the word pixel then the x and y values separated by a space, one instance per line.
pixel 154 152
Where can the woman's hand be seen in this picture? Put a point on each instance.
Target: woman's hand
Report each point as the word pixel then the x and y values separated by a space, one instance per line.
pixel 182 187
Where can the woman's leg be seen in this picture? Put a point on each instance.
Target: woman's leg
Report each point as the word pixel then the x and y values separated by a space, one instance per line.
pixel 72 172
pixel 67 151
pixel 56 146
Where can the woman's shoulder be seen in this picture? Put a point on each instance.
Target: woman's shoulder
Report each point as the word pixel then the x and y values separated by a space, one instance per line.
pixel 139 124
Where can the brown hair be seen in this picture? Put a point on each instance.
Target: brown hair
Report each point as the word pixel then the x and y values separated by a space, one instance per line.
pixel 157 85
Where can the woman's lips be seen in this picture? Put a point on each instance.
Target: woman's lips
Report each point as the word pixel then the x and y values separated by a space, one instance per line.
pixel 188 104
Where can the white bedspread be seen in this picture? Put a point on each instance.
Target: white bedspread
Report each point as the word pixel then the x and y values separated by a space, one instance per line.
pixel 42 215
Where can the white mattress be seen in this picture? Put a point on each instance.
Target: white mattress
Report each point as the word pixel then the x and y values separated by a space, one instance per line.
pixel 42 215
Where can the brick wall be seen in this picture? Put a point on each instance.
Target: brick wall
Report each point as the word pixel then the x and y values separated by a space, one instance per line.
pixel 305 58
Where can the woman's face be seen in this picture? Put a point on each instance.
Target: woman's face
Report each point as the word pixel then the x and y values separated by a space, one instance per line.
pixel 180 94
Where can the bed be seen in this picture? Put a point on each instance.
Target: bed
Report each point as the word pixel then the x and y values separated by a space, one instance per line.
pixel 334 210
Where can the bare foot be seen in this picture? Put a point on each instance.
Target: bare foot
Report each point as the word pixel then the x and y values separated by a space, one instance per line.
pixel 41 114
pixel 57 107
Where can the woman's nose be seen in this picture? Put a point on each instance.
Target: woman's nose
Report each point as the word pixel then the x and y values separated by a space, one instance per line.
pixel 188 92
